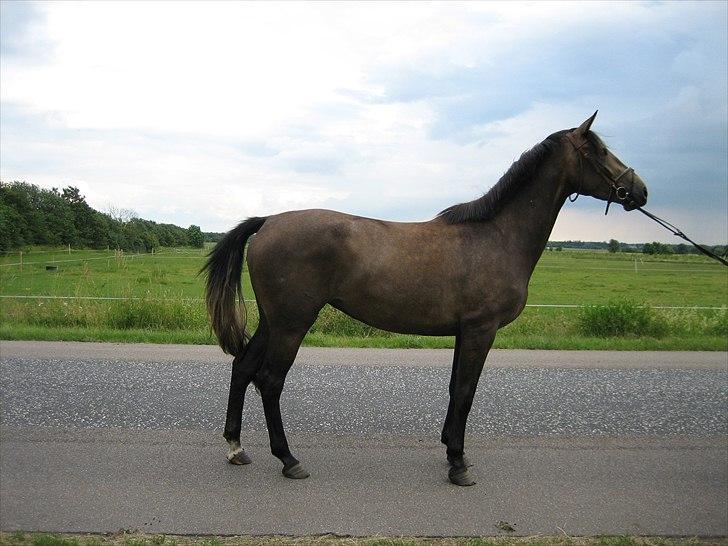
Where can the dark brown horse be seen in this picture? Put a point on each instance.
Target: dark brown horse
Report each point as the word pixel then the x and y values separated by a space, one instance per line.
pixel 463 274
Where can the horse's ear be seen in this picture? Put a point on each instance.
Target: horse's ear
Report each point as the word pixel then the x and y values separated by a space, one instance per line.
pixel 584 127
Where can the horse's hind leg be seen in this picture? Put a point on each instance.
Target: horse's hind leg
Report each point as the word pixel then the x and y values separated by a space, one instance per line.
pixel 245 366
pixel 280 354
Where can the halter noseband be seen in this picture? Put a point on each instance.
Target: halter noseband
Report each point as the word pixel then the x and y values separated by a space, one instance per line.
pixel 615 190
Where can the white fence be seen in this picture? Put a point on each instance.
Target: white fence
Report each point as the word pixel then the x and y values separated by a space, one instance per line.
pixel 121 298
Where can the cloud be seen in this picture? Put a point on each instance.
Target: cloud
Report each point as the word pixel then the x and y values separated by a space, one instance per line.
pixel 205 114
pixel 18 23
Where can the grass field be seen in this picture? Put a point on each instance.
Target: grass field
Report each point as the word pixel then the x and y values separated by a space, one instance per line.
pixel 158 298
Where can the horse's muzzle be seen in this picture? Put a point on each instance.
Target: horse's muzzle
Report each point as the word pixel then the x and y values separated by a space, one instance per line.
pixel 637 197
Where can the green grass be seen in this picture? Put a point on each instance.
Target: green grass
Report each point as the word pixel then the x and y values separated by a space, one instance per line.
pixel 698 343
pixel 560 277
pixel 169 273
pixel 142 539
pixel 185 322
pixel 167 307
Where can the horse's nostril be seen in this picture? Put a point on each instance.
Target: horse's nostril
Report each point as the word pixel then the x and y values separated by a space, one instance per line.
pixel 645 192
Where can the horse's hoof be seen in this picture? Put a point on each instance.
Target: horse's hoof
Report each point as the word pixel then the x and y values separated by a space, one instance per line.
pixel 296 472
pixel 459 475
pixel 238 456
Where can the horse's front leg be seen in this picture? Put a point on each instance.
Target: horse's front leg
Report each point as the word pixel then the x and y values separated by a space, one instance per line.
pixel 472 347
pixel 451 389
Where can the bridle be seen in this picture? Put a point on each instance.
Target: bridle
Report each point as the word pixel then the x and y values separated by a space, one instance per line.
pixel 621 193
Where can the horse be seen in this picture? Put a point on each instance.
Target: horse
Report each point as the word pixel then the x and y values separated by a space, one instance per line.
pixel 464 273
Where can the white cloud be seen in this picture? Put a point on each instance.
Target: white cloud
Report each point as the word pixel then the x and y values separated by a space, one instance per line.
pixel 209 112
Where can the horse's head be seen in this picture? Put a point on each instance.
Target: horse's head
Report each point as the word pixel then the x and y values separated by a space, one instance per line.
pixel 600 173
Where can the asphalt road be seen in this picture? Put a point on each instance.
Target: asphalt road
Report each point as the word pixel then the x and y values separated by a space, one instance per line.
pixel 102 437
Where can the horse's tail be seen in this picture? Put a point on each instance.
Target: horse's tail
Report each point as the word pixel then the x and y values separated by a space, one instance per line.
pixel 224 292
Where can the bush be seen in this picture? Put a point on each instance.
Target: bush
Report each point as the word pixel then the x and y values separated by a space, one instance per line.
pixel 622 318
pixel 719 325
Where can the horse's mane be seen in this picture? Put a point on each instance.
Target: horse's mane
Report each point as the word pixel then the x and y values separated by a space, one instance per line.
pixel 519 174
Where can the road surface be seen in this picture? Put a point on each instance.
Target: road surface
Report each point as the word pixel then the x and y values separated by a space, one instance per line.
pixel 103 437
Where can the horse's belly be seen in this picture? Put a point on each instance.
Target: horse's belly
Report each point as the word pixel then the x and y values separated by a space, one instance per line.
pixel 401 315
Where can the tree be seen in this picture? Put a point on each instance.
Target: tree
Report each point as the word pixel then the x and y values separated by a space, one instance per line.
pixel 120 214
pixel 13 231
pixel 88 225
pixel 150 239
pixel 656 248
pixel 135 236
pixel 613 245
pixel 28 223
pixel 30 215
pixel 60 229
pixel 194 237
pixel 73 195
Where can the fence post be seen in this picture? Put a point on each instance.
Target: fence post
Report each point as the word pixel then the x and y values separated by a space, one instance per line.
pixel 69 248
pixel 21 261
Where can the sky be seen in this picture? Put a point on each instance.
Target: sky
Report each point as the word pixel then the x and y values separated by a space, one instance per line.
pixel 207 113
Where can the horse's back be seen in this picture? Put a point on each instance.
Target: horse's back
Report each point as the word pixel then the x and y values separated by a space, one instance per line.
pixel 377 271
pixel 303 234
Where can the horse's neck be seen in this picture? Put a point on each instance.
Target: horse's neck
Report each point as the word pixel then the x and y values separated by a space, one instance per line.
pixel 527 220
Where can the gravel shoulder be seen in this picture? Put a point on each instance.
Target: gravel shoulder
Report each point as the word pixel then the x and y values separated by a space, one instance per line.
pixel 499 358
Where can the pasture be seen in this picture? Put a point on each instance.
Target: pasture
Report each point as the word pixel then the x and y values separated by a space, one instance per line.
pixel 100 295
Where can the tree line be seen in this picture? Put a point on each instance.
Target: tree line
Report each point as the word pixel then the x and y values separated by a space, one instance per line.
pixel 644 248
pixel 30 215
